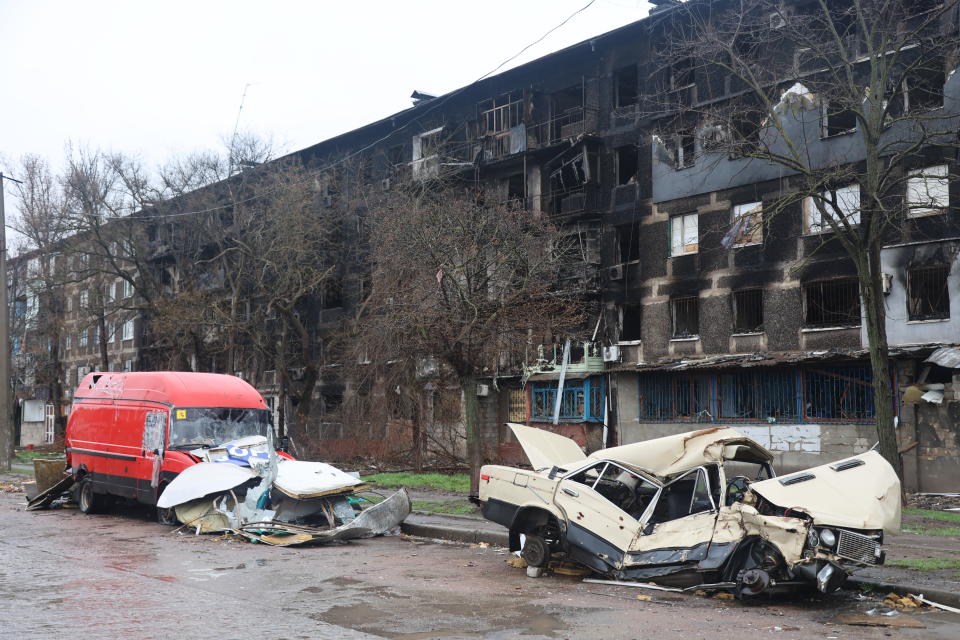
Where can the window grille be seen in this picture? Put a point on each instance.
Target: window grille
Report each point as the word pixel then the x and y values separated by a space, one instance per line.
pixel 674 398
pixel 928 297
pixel 518 405
pixel 830 303
pixel 838 394
pixel 748 311
pixel 755 396
pixel 685 317
pixel 582 400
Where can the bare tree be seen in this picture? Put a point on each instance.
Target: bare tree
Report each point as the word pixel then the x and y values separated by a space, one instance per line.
pixel 765 81
pixel 469 284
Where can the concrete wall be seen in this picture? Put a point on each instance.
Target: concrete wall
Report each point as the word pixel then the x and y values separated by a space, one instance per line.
pixel 31 433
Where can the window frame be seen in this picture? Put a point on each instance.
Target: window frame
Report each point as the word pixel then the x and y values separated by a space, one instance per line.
pixel 810 209
pixel 738 212
pixel 682 249
pixel 673 317
pixel 739 330
pixel 592 387
pixel 806 286
pixel 912 315
pixel 924 178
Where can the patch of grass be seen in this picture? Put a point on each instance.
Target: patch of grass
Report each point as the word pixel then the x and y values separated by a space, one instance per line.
pixel 925 564
pixel 452 482
pixel 27 455
pixel 456 507
pixel 949 531
pixel 943 516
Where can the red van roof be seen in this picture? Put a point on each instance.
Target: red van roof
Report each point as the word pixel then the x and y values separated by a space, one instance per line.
pixel 179 388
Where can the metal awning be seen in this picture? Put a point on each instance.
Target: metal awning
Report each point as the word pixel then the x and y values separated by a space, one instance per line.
pixel 571 375
pixel 948 357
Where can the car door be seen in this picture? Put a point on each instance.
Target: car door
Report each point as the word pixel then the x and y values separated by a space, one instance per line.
pixel 678 527
pixel 601 503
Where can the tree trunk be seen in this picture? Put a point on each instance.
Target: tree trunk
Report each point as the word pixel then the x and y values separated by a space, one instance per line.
pixel 102 331
pixel 468 386
pixel 873 302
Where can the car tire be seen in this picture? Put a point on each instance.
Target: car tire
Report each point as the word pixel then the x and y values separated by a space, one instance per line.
pixel 87 500
pixel 535 551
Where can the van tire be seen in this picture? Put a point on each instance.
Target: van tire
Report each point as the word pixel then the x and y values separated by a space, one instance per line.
pixel 87 500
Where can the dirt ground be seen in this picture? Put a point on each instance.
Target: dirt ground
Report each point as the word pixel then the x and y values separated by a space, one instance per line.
pixel 122 575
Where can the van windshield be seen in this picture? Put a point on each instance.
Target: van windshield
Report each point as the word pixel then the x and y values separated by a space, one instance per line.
pixel 208 427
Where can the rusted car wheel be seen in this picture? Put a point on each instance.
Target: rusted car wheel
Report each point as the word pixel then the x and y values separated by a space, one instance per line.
pixel 535 551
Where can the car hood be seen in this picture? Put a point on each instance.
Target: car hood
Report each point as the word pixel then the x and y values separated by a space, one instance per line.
pixel 860 492
pixel 545 448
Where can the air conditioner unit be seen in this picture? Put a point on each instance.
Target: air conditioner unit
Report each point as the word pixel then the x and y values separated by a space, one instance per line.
pixel 483 390
pixel 616 272
pixel 887 283
pixel 611 354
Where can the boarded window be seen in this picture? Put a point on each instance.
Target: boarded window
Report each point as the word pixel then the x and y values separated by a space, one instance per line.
pixel 748 311
pixel 518 406
pixel 928 297
pixel 685 314
pixel 832 303
pixel 928 190
pixel 837 204
pixel 684 235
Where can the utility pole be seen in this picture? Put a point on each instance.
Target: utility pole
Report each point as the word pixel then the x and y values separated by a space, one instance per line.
pixel 6 424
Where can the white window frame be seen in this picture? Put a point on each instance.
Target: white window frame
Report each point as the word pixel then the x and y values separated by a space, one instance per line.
pixel 684 228
pixel 82 339
pixel 67 343
pixel 128 330
pixel 928 191
pixel 128 365
pixel 748 209
pixel 848 201
pixel 127 289
pixel 49 423
pixel 84 299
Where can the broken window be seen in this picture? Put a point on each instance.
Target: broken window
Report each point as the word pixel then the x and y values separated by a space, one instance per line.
pixel 582 400
pixel 684 236
pixel 674 398
pixel 626 86
pixel 681 74
pixel 627 164
pixel 628 239
pixel 516 191
pixel 746 226
pixel 928 191
pixel 630 326
pixel 755 396
pixel 501 113
pixel 841 394
pixel 685 317
pixel 928 297
pixel 427 144
pixel 627 490
pixel 687 495
pixel 832 303
pixel 924 86
pixel 842 203
pixel 684 149
pixel 748 311
pixel 837 119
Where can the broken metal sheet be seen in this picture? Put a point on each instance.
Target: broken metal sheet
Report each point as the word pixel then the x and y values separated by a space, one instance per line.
pixel 203 479
pixel 384 516
pixel 934 396
pixel 203 515
pixel 948 357
pixel 43 499
pixel 299 479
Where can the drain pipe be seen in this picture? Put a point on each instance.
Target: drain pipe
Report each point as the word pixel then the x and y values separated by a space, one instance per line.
pixel 563 375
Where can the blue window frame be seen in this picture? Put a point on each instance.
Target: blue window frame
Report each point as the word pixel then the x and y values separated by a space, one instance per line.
pixel 582 401
pixel 841 393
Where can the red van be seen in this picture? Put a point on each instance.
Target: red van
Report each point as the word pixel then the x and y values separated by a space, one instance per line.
pixel 130 434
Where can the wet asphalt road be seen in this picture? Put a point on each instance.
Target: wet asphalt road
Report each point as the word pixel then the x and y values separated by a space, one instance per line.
pixel 64 574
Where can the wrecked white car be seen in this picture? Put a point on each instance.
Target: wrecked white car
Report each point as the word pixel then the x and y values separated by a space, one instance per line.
pixel 697 508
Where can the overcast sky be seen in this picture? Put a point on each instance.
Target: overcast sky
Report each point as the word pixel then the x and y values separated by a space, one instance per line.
pixel 157 78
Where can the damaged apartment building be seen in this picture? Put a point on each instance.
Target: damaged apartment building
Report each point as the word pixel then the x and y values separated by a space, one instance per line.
pixel 704 309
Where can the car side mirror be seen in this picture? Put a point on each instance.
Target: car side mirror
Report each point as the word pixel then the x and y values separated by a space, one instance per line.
pixel 553 472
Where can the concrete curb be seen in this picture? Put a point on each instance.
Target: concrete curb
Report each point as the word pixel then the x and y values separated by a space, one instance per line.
pixel 949 598
pixel 501 539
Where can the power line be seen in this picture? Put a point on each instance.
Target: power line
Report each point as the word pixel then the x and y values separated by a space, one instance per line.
pixel 433 105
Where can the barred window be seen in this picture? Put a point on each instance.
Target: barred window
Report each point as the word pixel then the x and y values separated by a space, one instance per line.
pixel 582 400
pixel 840 394
pixel 758 396
pixel 928 297
pixel 680 398
pixel 830 303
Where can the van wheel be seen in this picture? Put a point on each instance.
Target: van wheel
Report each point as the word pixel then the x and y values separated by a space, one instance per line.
pixel 87 500
pixel 167 516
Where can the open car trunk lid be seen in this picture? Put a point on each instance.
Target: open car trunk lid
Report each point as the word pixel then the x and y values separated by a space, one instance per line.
pixel 861 492
pixel 545 448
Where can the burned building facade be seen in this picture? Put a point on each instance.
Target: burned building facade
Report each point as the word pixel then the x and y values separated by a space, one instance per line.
pixel 715 297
